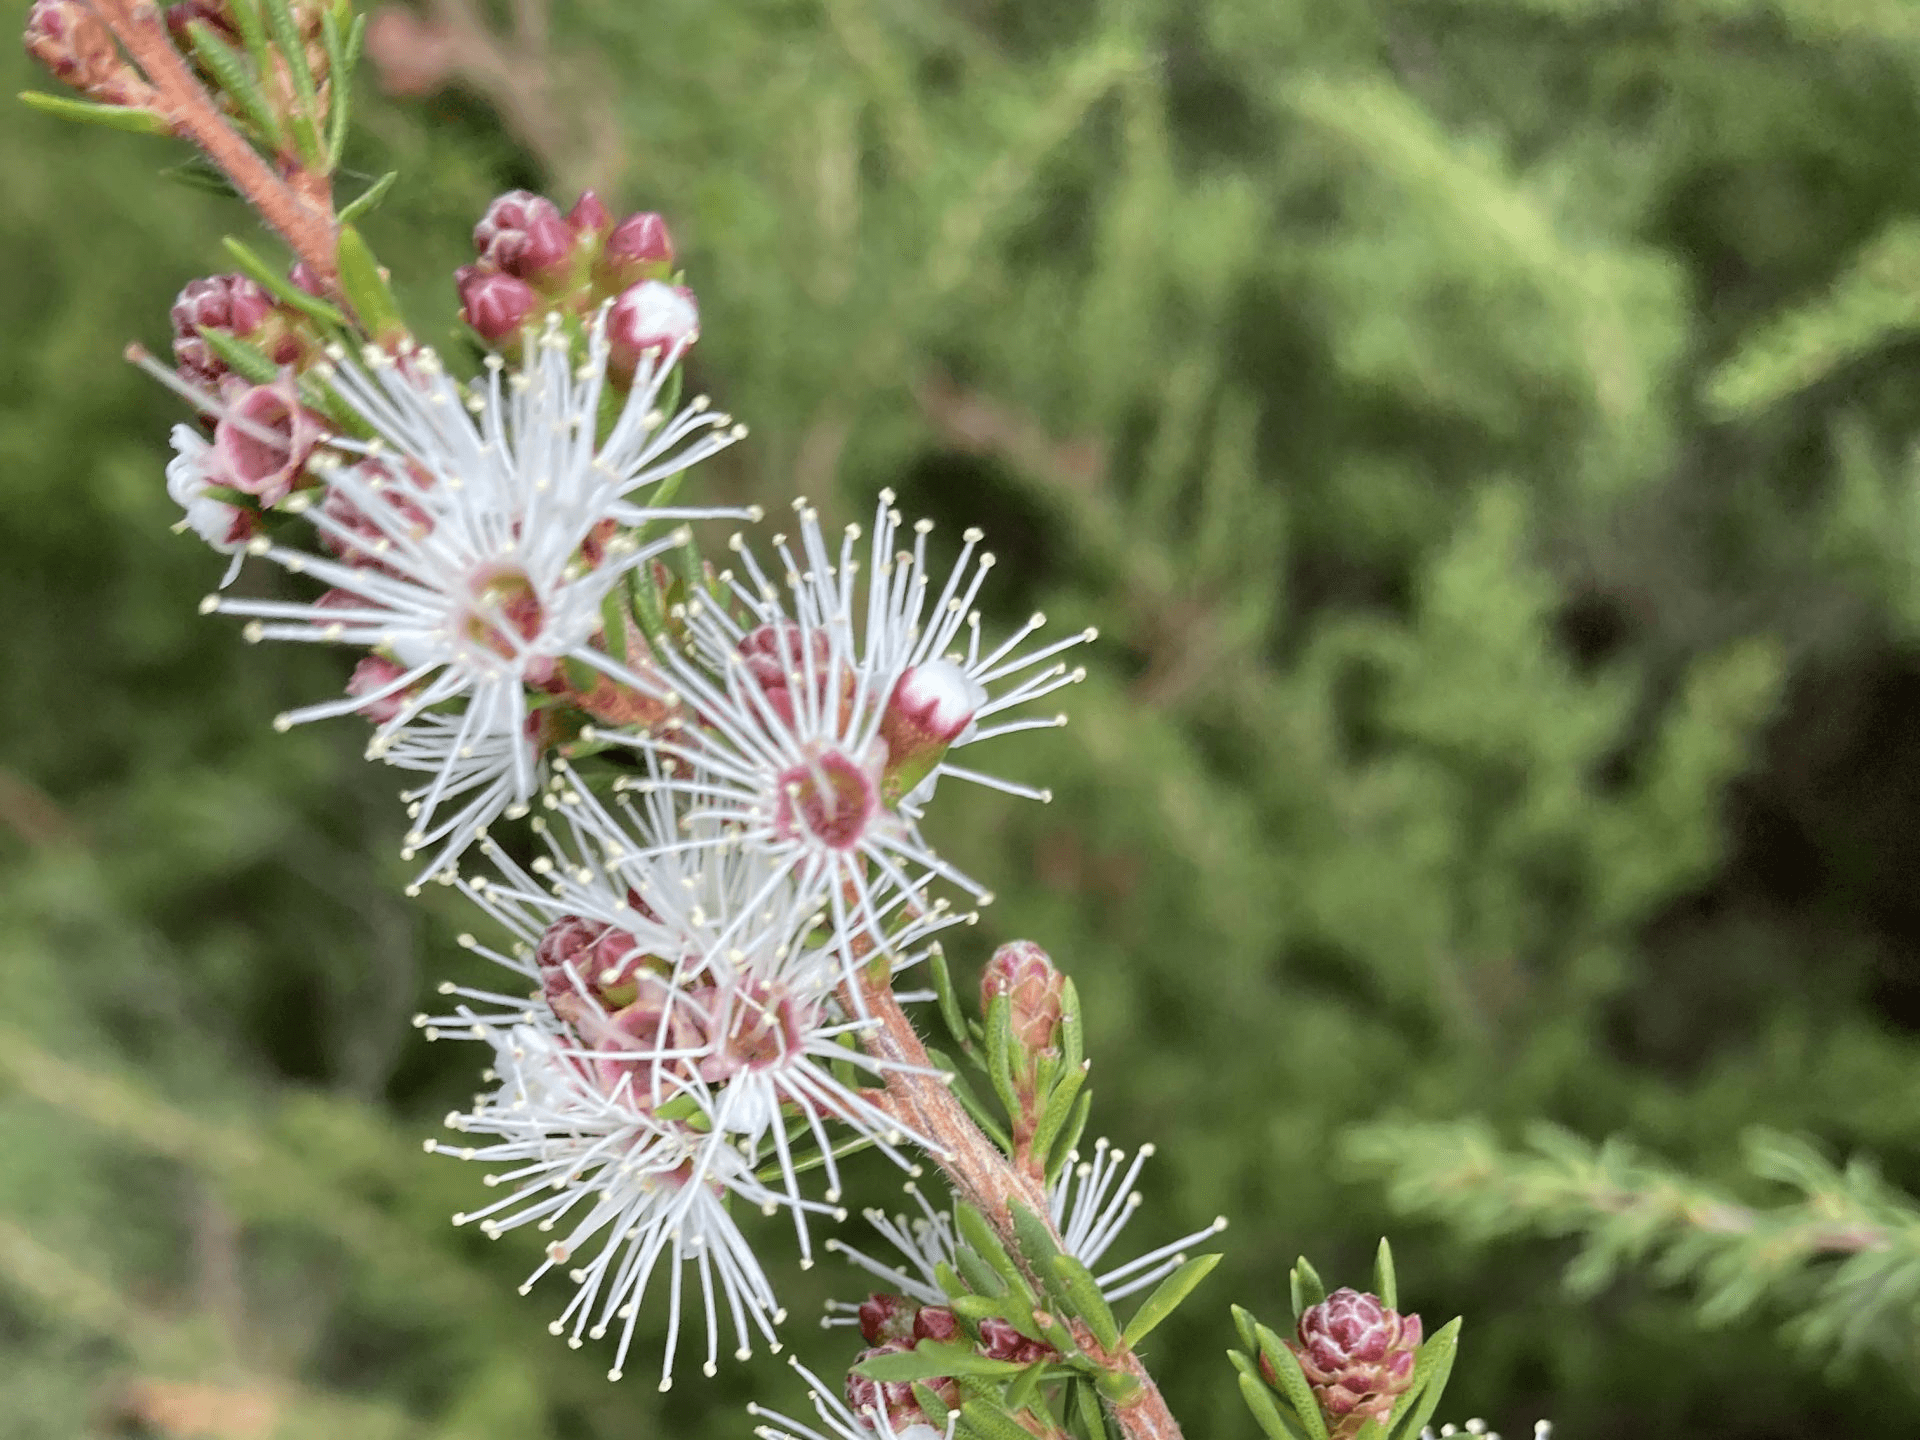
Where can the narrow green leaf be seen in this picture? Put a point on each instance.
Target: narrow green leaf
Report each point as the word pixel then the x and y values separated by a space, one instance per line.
pixel 980 1238
pixel 1243 1323
pixel 1087 1409
pixel 975 1308
pixel 114 117
pixel 235 77
pixel 614 620
pixel 931 1405
pixel 365 288
pixel 1038 1247
pixel 253 33
pixel 283 290
pixel 340 88
pixel 971 1102
pixel 931 1359
pixel 1058 1109
pixel 368 198
pixel 1069 1138
pixel 1117 1387
pixel 1291 1382
pixel 1304 1287
pixel 980 1277
pixel 950 1013
pixel 645 595
pixel 814 1159
pixel 1385 1284
pixel 1022 1393
pixel 1000 1050
pixel 989 1423
pixel 1432 1368
pixel 293 53
pixel 1071 1038
pixel 1167 1297
pixel 1083 1292
pixel 1260 1401
pixel 245 360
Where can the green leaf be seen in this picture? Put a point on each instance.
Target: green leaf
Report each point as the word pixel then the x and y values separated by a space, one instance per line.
pixel 931 1359
pixel 981 1239
pixel 245 360
pixel 1026 1389
pixel 1432 1368
pixel 1038 1247
pixel 1260 1401
pixel 1069 1138
pixel 368 198
pixel 931 1405
pixel 235 77
pixel 1083 1292
pixel 114 117
pixel 950 1012
pixel 1000 1050
pixel 1291 1381
pixel 1086 1405
pixel 989 1423
pixel 293 53
pixel 253 33
pixel 1244 1323
pixel 1071 1038
pixel 980 1278
pixel 1167 1297
pixel 366 289
pixel 1117 1387
pixel 1304 1287
pixel 1058 1109
pixel 282 289
pixel 340 74
pixel 613 624
pixel 1385 1284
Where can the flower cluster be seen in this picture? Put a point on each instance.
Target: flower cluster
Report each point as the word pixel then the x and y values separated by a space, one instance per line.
pixel 727 768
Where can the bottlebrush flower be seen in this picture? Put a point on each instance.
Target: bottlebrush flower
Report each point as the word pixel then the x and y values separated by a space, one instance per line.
pixel 1090 1204
pixel 841 1421
pixel 628 1191
pixel 488 571
pixel 823 725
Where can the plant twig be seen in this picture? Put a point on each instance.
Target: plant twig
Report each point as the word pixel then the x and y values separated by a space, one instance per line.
pixel 299 206
pixel 989 1182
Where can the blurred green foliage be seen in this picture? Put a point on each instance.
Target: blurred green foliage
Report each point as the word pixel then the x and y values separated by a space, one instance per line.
pixel 1481 430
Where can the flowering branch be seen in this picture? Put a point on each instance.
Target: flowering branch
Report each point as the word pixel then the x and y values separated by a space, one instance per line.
pixel 299 206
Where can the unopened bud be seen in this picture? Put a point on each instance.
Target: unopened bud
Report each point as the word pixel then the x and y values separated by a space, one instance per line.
pixel 263 440
pixel 639 248
pixel 1023 972
pixel 894 1398
pixel 303 278
pixel 935 1322
pixel 77 49
pixel 580 958
pixel 589 217
pixel 651 318
pixel 375 673
pixel 1000 1341
pixel 495 304
pixel 524 235
pixel 932 706
pixel 887 1317
pixel 1358 1356
pixel 231 304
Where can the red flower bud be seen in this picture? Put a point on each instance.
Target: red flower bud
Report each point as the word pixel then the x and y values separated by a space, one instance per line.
pixel 935 1322
pixel 639 248
pixel 932 705
pixel 373 674
pixel 1000 1341
pixel 496 305
pixel 654 318
pixel 303 278
pixel 231 304
pixel 524 235
pixel 894 1398
pixel 887 1317
pixel 589 216
pixel 1023 972
pixel 1358 1356
pixel 78 50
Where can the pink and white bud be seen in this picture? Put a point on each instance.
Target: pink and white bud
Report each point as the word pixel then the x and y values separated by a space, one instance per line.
pixel 894 1398
pixel 589 218
pixel 935 1322
pixel 224 526
pixel 651 318
pixel 303 278
pixel 374 677
pixel 1358 1356
pixel 495 304
pixel 887 1317
pixel 931 707
pixel 639 248
pixel 1000 1341
pixel 1025 974
pixel 77 49
pixel 591 959
pixel 231 304
pixel 263 441
pixel 524 235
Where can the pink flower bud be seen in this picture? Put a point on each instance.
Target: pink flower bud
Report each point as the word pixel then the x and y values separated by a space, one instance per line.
pixel 263 440
pixel 1358 1356
pixel 638 249
pixel 1023 972
pixel 77 49
pixel 496 305
pixel 935 1322
pixel 373 674
pixel 231 304
pixel 581 958
pixel 887 1317
pixel 932 706
pixel 894 1398
pixel 654 318
pixel 524 235
pixel 1000 1341
pixel 589 216
pixel 303 278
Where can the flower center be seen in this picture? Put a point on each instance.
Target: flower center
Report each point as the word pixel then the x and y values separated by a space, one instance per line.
pixel 505 606
pixel 828 799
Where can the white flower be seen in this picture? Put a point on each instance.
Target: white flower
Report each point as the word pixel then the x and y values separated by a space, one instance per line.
pixel 476 549
pixel 1090 1204
pixel 626 1190
pixel 839 1421
pixel 1542 1430
pixel 224 527
pixel 822 720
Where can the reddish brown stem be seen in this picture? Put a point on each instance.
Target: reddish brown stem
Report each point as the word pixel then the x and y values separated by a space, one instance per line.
pixel 987 1180
pixel 300 208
